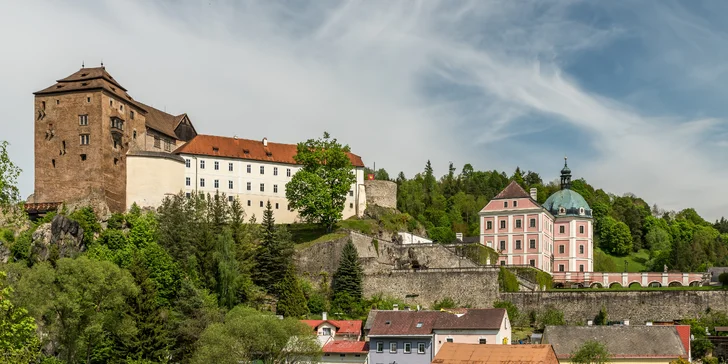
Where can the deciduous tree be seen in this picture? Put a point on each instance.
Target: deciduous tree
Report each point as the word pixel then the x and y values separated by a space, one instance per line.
pixel 9 173
pixel 591 352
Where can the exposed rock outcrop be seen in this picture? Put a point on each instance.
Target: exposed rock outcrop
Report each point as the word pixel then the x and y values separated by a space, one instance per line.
pixel 62 237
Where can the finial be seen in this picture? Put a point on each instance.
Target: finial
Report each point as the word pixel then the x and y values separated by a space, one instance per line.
pixel 102 63
pixel 83 64
pixel 565 157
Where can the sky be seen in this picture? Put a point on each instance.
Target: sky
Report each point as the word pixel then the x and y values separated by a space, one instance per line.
pixel 632 92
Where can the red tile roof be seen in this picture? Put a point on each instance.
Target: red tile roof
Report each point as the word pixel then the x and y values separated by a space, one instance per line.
pixel 342 326
pixel 684 332
pixel 403 323
pixel 453 353
pixel 236 148
pixel 343 346
pixel 513 190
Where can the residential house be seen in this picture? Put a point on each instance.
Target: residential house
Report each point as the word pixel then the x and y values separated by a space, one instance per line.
pixel 454 353
pixel 472 326
pixel 344 351
pixel 626 344
pixel 329 330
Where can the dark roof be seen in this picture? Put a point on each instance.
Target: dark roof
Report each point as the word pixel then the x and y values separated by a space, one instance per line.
pixel 513 190
pixel 370 319
pixel 217 146
pixel 484 319
pixel 456 353
pixel 403 323
pixel 161 121
pixel 621 341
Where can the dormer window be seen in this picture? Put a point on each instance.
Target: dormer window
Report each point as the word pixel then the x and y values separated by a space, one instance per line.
pixel 419 324
pixel 246 151
pixel 562 211
pixel 515 203
pixel 268 153
pixel 215 149
pixel 581 211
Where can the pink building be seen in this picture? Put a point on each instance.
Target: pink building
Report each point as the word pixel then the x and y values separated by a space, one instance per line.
pixel 554 237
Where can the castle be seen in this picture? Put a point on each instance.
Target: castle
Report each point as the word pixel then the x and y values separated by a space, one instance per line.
pixel 94 142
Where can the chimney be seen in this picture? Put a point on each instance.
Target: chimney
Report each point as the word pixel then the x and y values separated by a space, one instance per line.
pixel 395 307
pixel 324 315
pixel 534 194
pixel 459 236
pixel 265 142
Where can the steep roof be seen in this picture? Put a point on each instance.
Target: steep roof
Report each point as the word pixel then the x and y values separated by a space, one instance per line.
pixel 236 148
pixel 455 353
pixel 513 190
pixel 342 326
pixel 343 346
pixel 571 201
pixel 403 323
pixel 484 319
pixel 621 341
pixel 161 121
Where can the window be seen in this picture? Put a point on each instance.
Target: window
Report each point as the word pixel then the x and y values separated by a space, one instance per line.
pixel 532 263
pixel 342 355
pixel 167 145
pixel 488 225
pixel 262 169
pixel 217 165
pixel 581 267
pixel 449 340
pixel 581 229
pixel 503 262
pixel 581 249
pixel 532 244
pixel 518 224
pixel 230 167
pixel 276 205
pixel 131 114
pixel 420 348
pixel 156 142
pixel 288 172
pixel 202 164
pixel 187 163
pixel 83 120
pixel 561 229
pixel 121 108
pixel 83 157
pixel 230 198
pixel 188 195
pixel 351 205
pixel 42 103
pixel 505 204
pixel 380 347
pixel 532 223
pixel 419 324
pixel 561 249
pixel 188 181
pixel 275 188
pixel 247 186
pixel 518 245
pixel 407 348
pixel 248 202
pixel 85 139
pixel 248 168
pixel 503 245
pixel 561 267
pixel 217 183
pixel 392 347
pixel 261 203
pixel 58 102
pixel 134 136
pixel 88 99
pixel 230 185
pixel 503 224
pixel 202 182
pixel 326 331
pixel 351 193
pixel 481 341
pixel 515 203
pixel 262 187
pixel 275 171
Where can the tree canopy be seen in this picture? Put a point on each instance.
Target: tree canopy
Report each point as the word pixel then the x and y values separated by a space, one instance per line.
pixel 591 352
pixel 9 173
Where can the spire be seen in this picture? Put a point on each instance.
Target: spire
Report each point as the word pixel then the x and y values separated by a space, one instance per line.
pixel 565 176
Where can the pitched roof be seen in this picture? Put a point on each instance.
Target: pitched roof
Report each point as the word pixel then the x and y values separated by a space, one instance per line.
pixel 236 148
pixel 621 341
pixel 403 323
pixel 484 319
pixel 684 332
pixel 513 190
pixel 161 121
pixel 343 346
pixel 342 326
pixel 454 353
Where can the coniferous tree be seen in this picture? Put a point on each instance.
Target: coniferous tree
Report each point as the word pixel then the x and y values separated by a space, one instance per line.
pixel 348 277
pixel 274 253
pixel 291 300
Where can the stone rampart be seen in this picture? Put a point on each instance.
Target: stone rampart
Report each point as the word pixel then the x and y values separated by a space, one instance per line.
pixel 381 193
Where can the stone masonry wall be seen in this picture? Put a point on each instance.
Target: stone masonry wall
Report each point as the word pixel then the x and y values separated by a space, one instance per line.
pixel 381 193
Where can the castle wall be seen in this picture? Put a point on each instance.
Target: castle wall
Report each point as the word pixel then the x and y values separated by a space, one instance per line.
pixel 151 177
pixel 381 193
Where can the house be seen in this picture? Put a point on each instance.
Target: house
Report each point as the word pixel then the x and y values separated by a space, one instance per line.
pixel 329 330
pixel 416 336
pixel 626 344
pixel 345 352
pixel 454 353
pixel 473 326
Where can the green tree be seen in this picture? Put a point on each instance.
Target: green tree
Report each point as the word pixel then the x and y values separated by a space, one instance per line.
pixel 550 316
pixel 615 237
pixel 723 278
pixel 247 335
pixel 9 193
pixel 601 318
pixel 291 300
pixel 348 276
pixel 274 254
pixel 445 302
pixel 591 352
pixel 318 190
pixel 18 340
pixel 507 281
pixel 513 313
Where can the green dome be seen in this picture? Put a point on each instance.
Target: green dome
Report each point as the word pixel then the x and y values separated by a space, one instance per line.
pixel 571 202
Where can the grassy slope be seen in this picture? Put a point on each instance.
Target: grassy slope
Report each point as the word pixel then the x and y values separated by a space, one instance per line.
pixel 635 261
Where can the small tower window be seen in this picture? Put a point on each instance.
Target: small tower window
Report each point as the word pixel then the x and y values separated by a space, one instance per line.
pixel 562 211
pixel 88 99
pixel 42 104
pixel 581 211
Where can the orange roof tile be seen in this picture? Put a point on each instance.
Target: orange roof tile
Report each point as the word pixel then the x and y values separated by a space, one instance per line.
pixel 454 353
pixel 342 326
pixel 343 346
pixel 218 146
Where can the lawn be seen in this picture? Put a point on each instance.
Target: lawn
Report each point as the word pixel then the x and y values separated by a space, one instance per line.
pixel 635 261
pixel 314 233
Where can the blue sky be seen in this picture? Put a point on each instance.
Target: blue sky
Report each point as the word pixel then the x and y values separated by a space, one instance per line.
pixel 633 92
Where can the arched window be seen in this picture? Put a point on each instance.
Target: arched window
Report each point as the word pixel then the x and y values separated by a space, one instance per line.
pixel 581 211
pixel 562 211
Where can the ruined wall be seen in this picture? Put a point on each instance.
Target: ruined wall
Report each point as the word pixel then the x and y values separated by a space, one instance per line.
pixel 381 193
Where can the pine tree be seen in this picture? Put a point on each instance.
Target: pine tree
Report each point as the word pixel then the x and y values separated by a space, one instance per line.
pixel 348 277
pixel 274 253
pixel 291 300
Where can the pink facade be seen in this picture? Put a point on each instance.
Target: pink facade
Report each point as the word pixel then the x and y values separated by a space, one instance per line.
pixel 599 279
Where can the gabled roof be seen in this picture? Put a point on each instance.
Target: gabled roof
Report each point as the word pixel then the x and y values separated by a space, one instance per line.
pixel 483 319
pixel 342 326
pixel 412 323
pixel 343 346
pixel 513 190
pixel 218 146
pixel 161 121
pixel 455 353
pixel 621 341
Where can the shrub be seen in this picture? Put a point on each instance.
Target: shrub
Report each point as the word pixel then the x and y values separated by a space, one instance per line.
pixel 507 281
pixel 86 218
pixel 723 278
pixel 446 302
pixel 513 314
pixel 550 316
pixel 443 235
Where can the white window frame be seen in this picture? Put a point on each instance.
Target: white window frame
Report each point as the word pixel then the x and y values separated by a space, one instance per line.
pixel 202 164
pixel 275 171
pixel 249 186
pixel 217 165
pixel 288 172
pixel 230 185
pixel 380 346
pixel 83 120
pixel 249 167
pixel 188 181
pixel 407 348
pixel 421 349
pixel 393 347
pixel 85 139
pixel 262 187
pixel 202 182
pixel 188 163
pixel 230 167
pixel 262 169
pixel 216 183
pixel 275 188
